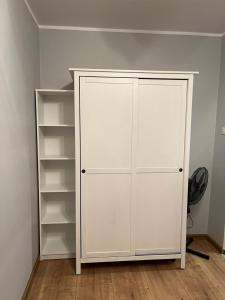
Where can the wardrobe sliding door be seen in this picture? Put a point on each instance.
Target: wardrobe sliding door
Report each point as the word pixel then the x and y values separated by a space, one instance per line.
pixel 106 114
pixel 159 163
pixel 132 159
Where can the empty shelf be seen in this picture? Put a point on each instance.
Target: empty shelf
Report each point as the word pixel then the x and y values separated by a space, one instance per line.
pixel 58 239
pixel 56 157
pixel 56 125
pixel 56 189
pixel 58 246
pixel 58 218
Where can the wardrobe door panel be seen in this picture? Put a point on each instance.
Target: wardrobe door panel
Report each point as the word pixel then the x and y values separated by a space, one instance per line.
pixel 159 165
pixel 106 112
pixel 158 213
pixel 108 220
pixel 106 122
pixel 161 123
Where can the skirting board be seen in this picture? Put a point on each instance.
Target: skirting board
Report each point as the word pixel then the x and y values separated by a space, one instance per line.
pixel 207 237
pixel 215 244
pixel 30 280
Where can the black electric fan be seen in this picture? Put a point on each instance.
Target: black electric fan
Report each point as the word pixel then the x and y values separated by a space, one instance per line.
pixel 197 185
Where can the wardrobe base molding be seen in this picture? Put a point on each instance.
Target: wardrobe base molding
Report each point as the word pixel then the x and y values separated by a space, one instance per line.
pixel 130 258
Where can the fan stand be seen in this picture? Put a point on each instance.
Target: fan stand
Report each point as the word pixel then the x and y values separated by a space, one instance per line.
pixel 196 190
pixel 195 252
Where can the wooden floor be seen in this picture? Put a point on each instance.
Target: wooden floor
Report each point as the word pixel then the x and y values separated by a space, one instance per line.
pixel 161 280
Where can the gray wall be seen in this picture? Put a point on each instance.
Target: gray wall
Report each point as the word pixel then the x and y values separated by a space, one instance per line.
pixel 60 50
pixel 19 75
pixel 217 205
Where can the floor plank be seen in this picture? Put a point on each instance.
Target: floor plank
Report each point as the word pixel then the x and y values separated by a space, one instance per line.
pixel 145 280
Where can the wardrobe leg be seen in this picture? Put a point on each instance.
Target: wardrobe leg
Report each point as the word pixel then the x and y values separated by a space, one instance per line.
pixel 182 262
pixel 78 267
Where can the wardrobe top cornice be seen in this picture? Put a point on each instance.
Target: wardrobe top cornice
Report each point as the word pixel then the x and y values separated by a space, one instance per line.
pixel 72 70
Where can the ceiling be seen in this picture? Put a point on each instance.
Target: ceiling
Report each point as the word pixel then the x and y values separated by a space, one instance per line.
pixel 206 16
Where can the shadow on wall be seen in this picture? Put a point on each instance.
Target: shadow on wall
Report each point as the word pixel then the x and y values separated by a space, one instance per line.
pixel 69 86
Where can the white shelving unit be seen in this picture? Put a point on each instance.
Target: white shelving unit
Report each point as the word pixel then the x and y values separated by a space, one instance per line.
pixel 56 168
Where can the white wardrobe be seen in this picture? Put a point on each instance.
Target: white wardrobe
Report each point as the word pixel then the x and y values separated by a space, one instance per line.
pixel 132 138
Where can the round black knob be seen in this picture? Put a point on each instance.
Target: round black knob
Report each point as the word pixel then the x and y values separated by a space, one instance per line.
pixel 180 170
pixel 83 171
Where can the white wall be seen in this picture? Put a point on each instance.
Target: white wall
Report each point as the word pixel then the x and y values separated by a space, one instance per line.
pixel 19 75
pixel 61 49
pixel 217 205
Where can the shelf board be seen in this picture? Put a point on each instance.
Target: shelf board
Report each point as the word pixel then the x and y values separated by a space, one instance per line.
pixel 48 92
pixel 57 218
pixel 56 189
pixel 56 157
pixel 55 125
